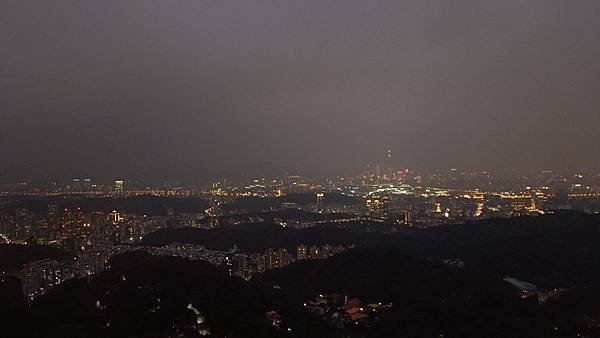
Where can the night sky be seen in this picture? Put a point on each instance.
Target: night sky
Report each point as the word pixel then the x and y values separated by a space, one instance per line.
pixel 195 89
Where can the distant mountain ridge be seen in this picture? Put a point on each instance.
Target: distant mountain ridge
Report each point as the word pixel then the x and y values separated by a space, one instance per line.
pixel 142 204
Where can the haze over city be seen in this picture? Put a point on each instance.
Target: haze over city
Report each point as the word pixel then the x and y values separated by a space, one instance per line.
pixel 300 169
pixel 207 89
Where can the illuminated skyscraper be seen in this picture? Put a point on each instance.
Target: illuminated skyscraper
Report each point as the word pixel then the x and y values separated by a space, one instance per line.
pixel 283 257
pixel 115 217
pixel 320 201
pixel 389 172
pixel 276 258
pixel 270 259
pixel 119 187
pixel 301 252
pixel 408 218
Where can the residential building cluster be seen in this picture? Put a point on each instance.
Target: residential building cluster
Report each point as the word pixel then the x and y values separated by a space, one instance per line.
pixel 343 312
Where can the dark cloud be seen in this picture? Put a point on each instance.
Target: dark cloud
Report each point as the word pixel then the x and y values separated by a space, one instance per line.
pixel 197 88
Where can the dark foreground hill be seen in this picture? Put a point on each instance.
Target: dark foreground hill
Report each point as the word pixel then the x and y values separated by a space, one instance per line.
pixel 555 250
pixel 433 300
pixel 13 256
pixel 148 296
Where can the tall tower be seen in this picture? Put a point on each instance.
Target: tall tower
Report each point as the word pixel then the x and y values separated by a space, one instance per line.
pixel 388 165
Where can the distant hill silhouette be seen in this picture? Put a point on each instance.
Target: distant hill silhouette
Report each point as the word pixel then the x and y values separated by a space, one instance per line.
pixel 257 237
pixel 298 215
pixel 13 256
pixel 555 250
pixel 552 250
pixel 258 204
pixel 143 204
